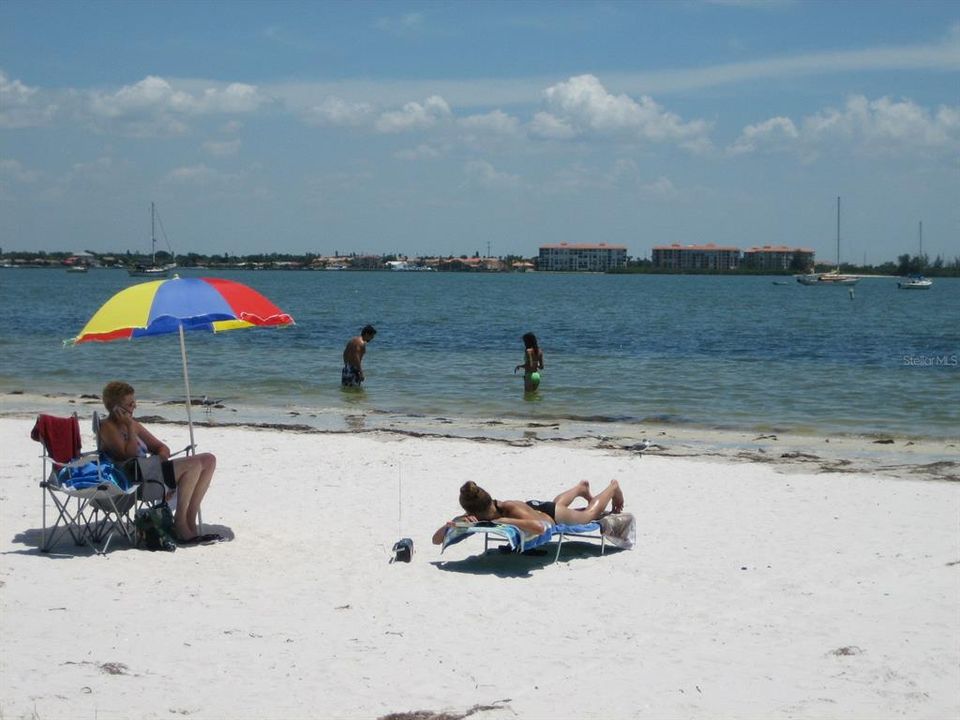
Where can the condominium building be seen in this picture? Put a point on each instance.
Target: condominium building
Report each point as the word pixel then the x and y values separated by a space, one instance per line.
pixel 696 257
pixel 778 257
pixel 591 257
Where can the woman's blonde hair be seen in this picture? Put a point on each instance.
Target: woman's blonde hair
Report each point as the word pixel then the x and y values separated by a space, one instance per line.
pixel 473 498
pixel 114 392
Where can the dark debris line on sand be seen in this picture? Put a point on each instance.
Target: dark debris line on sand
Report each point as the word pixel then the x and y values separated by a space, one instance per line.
pixel 430 715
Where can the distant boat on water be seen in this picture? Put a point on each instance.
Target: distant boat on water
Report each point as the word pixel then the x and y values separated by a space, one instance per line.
pixel 404 266
pixel 916 281
pixel 833 277
pixel 77 268
pixel 152 270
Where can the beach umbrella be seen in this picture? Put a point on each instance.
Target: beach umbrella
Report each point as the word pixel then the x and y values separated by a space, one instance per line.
pixel 175 305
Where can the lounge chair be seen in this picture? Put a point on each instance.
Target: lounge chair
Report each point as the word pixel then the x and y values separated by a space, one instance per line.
pixel 100 494
pixel 618 530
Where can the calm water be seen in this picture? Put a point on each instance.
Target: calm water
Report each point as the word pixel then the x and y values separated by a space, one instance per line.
pixel 732 352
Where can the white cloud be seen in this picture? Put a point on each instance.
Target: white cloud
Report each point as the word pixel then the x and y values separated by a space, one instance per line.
pixel 155 93
pixel 414 116
pixel 771 133
pixel 583 106
pixel 887 124
pixel 494 123
pixel 337 111
pixel 481 173
pixel 551 127
pixel 881 126
pixel 22 106
pixel 154 106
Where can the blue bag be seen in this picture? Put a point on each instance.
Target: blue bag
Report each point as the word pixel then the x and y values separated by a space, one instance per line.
pixel 92 474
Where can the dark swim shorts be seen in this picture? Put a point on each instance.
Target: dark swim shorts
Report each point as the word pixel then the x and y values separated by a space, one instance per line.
pixel 350 376
pixel 547 507
pixel 169 476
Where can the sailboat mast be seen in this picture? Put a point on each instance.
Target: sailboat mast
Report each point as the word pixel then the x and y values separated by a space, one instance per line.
pixel 838 233
pixel 153 234
pixel 921 238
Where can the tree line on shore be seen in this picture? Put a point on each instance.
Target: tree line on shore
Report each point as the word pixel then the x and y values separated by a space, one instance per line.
pixel 904 265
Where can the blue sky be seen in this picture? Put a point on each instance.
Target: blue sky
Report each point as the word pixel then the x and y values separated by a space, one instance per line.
pixel 448 128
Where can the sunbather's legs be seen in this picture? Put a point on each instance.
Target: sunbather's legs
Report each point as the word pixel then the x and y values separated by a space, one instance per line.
pixel 208 463
pixel 580 490
pixel 193 478
pixel 611 494
pixel 187 473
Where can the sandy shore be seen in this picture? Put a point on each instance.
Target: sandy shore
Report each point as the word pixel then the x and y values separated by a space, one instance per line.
pixel 887 455
pixel 757 590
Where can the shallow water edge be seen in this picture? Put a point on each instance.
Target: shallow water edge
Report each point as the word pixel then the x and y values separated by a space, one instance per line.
pixel 894 456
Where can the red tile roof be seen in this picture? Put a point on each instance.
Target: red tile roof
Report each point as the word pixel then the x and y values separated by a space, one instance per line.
pixel 582 246
pixel 708 246
pixel 778 248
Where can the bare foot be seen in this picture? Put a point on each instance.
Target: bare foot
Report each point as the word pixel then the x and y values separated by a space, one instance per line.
pixel 584 486
pixel 617 497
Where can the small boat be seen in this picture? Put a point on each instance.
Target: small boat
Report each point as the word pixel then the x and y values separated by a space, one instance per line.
pixel 152 270
pixel 404 266
pixel 77 269
pixel 916 281
pixel 834 277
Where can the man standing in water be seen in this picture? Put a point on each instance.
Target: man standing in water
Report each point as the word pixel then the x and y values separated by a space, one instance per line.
pixel 352 375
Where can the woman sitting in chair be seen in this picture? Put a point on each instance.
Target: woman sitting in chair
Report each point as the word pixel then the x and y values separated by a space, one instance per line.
pixel 123 438
pixel 534 516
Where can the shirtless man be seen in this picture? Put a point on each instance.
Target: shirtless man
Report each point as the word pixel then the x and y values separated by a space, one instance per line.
pixel 352 375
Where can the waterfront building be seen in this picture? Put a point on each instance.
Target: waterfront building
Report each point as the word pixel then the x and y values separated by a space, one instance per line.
pixel 472 264
pixel 718 258
pixel 590 257
pixel 778 257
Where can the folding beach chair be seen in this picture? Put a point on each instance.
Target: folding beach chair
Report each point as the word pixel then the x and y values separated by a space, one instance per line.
pixel 91 497
pixel 618 530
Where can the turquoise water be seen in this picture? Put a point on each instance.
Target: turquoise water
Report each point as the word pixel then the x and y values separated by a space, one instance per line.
pixel 726 352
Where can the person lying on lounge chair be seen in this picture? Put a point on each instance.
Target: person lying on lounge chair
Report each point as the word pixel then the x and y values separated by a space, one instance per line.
pixel 534 516
pixel 123 438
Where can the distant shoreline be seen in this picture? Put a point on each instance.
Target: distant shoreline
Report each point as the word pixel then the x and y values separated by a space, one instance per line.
pixel 870 274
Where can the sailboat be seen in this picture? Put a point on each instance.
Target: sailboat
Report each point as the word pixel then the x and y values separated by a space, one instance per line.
pixel 833 277
pixel 152 270
pixel 917 281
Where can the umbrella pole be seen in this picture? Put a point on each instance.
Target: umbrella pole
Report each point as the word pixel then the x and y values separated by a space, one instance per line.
pixel 186 382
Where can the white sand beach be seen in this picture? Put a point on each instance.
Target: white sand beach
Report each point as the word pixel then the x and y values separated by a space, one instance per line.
pixel 756 590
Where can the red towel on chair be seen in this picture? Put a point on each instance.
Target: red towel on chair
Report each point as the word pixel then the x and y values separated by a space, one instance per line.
pixel 59 435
